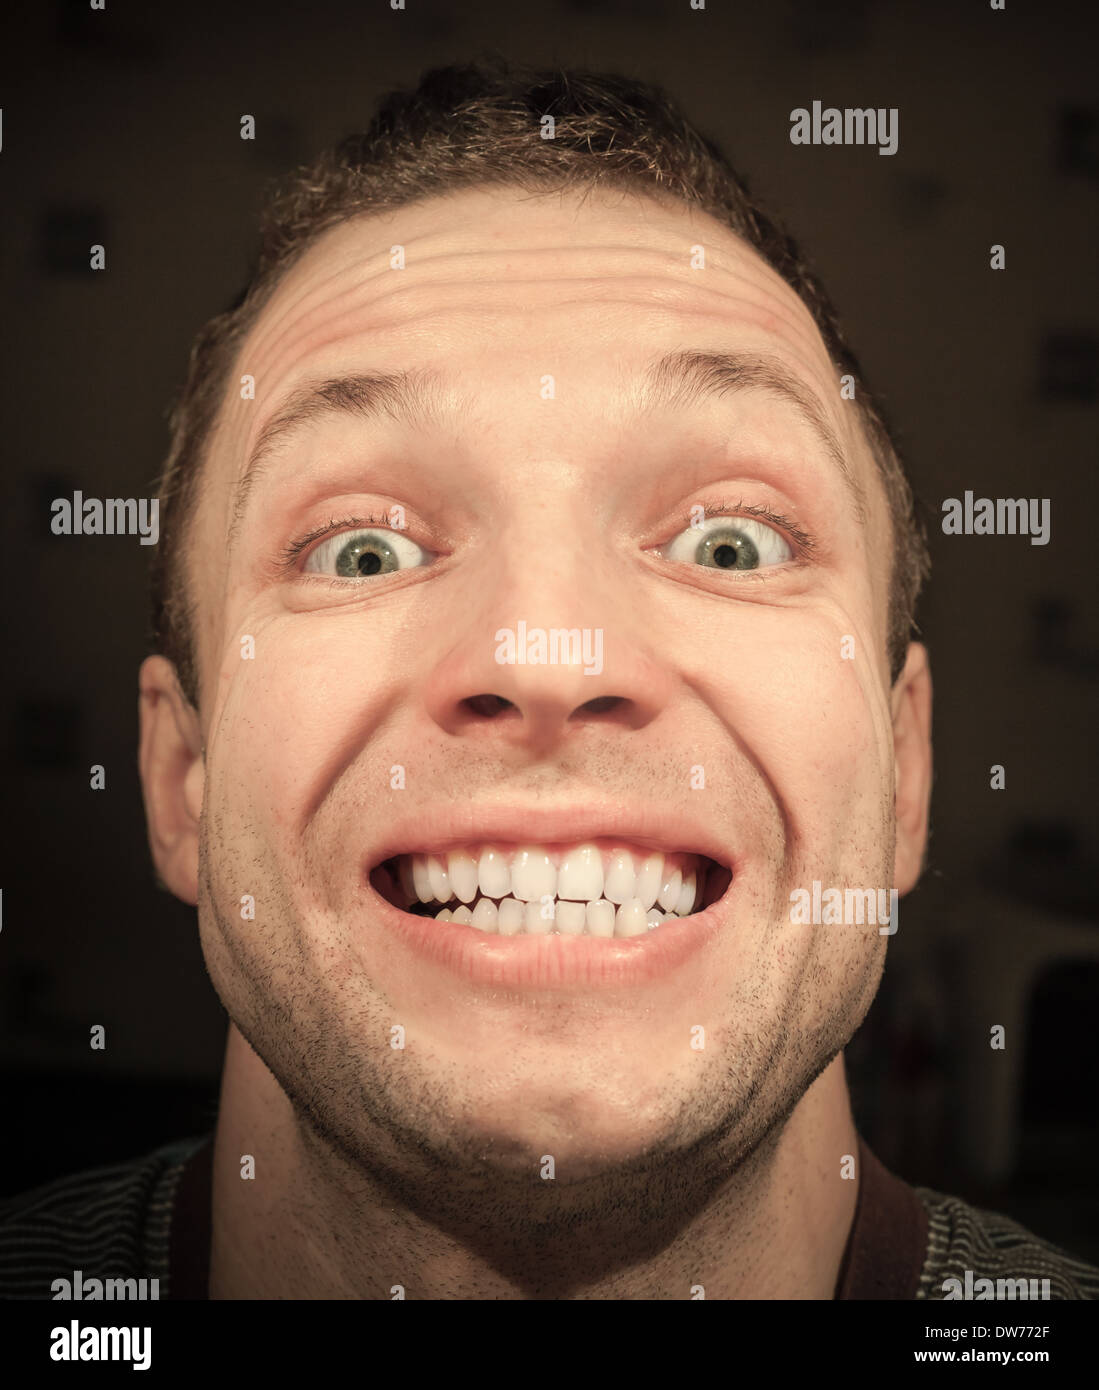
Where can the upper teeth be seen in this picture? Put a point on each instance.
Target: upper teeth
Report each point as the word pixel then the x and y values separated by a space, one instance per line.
pixel 530 873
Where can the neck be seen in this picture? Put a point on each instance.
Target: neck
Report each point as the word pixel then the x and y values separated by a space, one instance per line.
pixel 311 1224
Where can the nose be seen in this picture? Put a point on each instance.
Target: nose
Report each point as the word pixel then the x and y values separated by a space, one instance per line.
pixel 544 660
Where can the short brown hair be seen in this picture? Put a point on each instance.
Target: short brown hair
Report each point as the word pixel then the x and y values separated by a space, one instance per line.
pixel 480 124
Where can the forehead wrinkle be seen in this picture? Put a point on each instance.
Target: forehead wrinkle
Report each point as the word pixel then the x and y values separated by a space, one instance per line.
pixel 432 230
pixel 333 270
pixel 407 309
pixel 352 280
pixel 305 324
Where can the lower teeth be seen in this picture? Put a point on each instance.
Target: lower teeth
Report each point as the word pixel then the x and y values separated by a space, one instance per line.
pixel 561 918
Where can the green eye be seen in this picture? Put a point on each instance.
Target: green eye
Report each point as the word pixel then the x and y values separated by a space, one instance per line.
pixel 728 550
pixel 729 543
pixel 363 554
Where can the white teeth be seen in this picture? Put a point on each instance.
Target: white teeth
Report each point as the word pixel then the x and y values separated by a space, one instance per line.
pixel 686 900
pixel 649 879
pixel 589 891
pixel 571 918
pixel 580 875
pixel 533 874
pixel 421 878
pixel 670 890
pixel 510 917
pixel 600 917
pixel 493 874
pixel 620 887
pixel 631 919
pixel 485 916
pixel 462 869
pixel 439 879
pixel 536 921
pixel 597 918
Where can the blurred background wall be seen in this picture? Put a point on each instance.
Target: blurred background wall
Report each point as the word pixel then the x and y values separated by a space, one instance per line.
pixel 122 128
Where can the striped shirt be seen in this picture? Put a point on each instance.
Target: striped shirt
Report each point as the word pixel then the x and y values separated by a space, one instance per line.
pixel 149 1218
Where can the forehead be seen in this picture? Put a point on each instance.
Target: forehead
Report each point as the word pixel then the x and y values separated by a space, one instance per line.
pixel 490 284
pixel 500 269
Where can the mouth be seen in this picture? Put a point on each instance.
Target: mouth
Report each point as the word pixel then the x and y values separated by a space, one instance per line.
pixel 594 889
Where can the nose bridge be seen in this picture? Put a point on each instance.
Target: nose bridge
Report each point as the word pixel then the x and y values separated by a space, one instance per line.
pixel 555 567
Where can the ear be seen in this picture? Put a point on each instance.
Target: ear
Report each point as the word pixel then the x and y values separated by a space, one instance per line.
pixel 172 771
pixel 911 706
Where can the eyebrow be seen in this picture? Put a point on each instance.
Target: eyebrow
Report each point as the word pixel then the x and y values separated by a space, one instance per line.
pixel 414 397
pixel 679 379
pixel 418 398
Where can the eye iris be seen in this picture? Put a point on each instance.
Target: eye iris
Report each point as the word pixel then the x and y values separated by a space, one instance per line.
pixel 365 555
pixel 728 550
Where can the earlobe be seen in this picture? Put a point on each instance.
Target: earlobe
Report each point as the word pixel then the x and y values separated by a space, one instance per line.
pixel 911 705
pixel 172 771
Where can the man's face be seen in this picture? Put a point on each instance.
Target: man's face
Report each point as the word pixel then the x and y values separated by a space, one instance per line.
pixel 738 709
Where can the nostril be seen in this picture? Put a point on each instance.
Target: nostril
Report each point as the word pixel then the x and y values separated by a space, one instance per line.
pixel 488 706
pixel 601 705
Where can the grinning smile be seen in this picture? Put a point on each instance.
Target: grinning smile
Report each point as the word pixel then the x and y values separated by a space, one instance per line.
pixel 597 889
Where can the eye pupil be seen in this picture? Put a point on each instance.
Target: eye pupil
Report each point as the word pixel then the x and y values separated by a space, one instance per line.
pixel 725 556
pixel 369 563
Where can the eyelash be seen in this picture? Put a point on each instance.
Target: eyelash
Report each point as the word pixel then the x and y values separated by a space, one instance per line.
pixel 289 557
pixel 805 543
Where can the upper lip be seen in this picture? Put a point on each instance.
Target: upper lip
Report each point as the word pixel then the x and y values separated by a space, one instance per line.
pixel 436 829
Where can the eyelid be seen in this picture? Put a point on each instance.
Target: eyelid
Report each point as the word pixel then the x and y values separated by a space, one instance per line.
pixel 801 542
pixel 304 545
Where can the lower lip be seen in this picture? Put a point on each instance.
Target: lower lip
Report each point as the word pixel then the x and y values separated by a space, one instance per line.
pixel 555 961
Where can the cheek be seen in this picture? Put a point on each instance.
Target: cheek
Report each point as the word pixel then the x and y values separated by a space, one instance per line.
pixel 801 695
pixel 299 701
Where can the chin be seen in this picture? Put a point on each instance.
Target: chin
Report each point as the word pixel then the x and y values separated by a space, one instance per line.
pixel 583 1133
